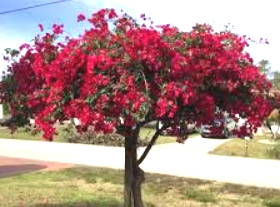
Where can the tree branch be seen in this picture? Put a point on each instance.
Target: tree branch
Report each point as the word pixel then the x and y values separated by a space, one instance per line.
pixel 145 80
pixel 151 143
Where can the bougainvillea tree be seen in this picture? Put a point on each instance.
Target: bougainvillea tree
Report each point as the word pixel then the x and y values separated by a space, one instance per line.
pixel 119 75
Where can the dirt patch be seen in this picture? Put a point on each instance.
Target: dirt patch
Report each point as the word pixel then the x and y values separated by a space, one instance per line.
pixel 13 166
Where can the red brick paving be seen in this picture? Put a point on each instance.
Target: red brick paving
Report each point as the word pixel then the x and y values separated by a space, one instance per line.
pixel 13 166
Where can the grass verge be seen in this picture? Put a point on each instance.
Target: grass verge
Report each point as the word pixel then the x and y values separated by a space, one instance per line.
pixel 99 187
pixel 254 149
pixel 24 134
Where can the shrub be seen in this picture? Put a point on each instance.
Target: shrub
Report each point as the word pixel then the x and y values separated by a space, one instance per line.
pixel 272 203
pixel 70 134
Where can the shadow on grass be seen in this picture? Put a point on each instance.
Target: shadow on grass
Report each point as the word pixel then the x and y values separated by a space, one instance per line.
pixel 101 202
pixel 11 170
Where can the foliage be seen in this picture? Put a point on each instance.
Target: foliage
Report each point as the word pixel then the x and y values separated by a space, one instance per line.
pixel 264 67
pixel 120 74
pixel 276 80
pixel 272 203
pixel 274 77
pixel 6 110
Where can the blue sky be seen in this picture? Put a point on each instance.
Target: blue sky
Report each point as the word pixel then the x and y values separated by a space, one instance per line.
pixel 255 18
pixel 23 25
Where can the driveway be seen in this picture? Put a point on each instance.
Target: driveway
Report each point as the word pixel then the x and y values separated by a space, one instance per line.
pixel 13 166
pixel 189 160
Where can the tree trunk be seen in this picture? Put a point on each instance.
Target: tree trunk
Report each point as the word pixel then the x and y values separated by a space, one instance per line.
pixel 134 176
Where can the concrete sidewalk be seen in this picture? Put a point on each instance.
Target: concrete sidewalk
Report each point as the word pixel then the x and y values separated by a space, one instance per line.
pixel 189 160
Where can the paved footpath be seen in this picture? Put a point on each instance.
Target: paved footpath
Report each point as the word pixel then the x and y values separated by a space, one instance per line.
pixel 189 160
pixel 13 166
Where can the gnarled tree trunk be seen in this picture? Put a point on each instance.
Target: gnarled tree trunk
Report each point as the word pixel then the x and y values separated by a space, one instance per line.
pixel 134 176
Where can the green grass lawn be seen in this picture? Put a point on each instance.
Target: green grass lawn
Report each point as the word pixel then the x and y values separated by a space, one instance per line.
pixel 21 133
pixel 237 147
pixel 99 187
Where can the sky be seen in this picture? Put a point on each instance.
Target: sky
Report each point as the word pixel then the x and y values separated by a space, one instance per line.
pixel 253 18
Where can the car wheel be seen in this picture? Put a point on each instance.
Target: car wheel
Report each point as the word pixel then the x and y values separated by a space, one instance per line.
pixel 205 135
